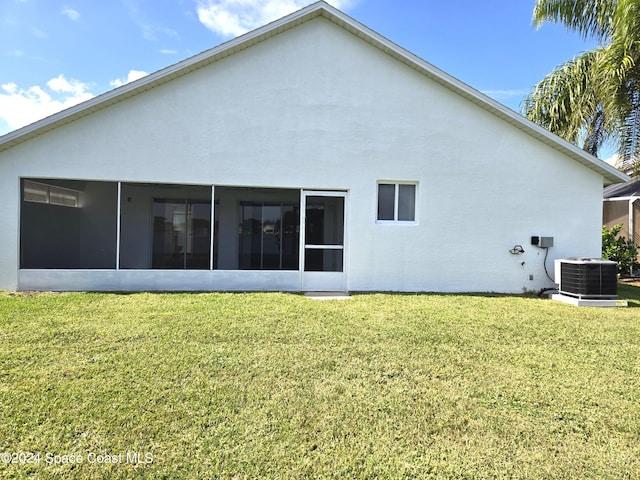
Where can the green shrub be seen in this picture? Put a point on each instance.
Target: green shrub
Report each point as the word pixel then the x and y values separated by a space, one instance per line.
pixel 619 249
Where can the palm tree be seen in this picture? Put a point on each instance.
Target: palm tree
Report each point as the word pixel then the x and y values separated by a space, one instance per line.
pixel 594 97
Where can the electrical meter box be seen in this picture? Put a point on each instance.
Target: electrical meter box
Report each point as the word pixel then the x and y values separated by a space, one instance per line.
pixel 542 242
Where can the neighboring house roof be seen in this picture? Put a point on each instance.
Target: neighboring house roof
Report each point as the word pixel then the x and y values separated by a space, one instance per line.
pixel 623 190
pixel 610 174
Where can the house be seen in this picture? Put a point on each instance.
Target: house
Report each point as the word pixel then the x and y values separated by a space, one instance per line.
pixel 309 154
pixel 622 207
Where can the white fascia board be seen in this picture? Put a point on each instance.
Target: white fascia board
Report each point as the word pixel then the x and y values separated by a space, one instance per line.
pixel 620 199
pixel 160 77
pixel 610 174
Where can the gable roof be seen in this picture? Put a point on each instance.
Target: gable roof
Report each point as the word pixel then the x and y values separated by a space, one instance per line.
pixel 319 9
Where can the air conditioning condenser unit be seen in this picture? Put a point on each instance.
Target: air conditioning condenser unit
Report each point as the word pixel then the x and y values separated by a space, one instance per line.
pixel 587 278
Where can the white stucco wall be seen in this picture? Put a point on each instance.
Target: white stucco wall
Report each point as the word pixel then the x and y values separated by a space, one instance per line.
pixel 317 108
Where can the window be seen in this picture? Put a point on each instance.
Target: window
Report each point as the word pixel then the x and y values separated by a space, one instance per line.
pixel 256 228
pixel 324 234
pixel 181 234
pixel 396 202
pixel 165 226
pixel 41 193
pixel 56 234
pixel 269 236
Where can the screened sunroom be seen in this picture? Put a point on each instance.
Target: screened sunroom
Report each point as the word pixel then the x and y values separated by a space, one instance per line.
pixel 140 235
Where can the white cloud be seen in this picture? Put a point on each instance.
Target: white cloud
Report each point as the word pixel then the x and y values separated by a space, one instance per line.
pixel 70 13
pixel 20 107
pixel 230 18
pixel 9 87
pixel 167 51
pixel 61 85
pixel 131 76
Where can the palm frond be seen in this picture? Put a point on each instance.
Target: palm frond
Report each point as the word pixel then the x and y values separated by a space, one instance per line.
pixel 596 96
pixel 624 51
pixel 620 77
pixel 590 18
pixel 567 102
pixel 596 133
pixel 630 129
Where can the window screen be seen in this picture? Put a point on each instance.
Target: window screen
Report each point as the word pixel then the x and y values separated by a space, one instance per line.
pixel 396 202
pixel 407 203
pixel 386 201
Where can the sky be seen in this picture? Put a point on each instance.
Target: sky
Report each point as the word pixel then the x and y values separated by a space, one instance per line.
pixel 57 53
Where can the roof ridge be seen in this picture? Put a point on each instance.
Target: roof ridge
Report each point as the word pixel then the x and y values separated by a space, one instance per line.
pixel 318 8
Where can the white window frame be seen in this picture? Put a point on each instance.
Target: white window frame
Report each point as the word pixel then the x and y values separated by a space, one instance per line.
pixel 396 184
pixel 46 190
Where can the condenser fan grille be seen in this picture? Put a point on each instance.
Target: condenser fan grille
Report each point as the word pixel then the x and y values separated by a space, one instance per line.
pixel 589 278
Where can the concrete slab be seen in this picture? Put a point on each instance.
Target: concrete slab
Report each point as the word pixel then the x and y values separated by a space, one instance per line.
pixel 327 295
pixel 590 302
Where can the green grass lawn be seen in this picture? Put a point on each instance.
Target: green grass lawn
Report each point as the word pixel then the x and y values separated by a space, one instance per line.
pixel 279 386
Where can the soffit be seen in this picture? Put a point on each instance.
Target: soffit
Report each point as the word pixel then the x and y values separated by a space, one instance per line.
pixel 610 174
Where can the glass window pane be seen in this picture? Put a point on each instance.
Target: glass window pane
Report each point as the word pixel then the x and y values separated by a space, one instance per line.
pixel 251 237
pixel 323 260
pixel 164 226
pixel 169 234
pixel 324 221
pixel 199 236
pixel 290 237
pixel 386 201
pixel 35 192
pixel 407 202
pixel 271 237
pixel 62 196
pixel 216 233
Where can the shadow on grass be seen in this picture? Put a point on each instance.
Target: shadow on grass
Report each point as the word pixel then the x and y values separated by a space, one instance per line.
pixel 627 291
pixel 630 292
